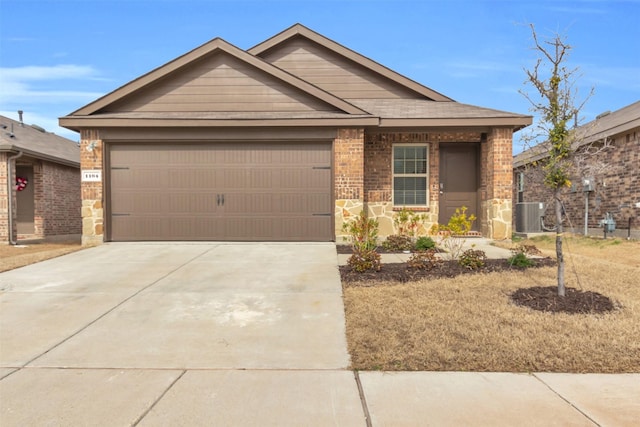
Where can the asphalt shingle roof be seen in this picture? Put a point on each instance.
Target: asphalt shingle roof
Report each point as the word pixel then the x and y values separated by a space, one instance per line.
pixel 16 136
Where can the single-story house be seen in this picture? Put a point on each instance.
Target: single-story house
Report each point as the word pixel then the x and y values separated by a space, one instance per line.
pixel 607 186
pixel 39 184
pixel 284 141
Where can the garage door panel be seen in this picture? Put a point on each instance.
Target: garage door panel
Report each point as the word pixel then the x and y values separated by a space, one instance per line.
pixel 221 191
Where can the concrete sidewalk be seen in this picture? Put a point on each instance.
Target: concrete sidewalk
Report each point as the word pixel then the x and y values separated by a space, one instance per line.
pixel 238 335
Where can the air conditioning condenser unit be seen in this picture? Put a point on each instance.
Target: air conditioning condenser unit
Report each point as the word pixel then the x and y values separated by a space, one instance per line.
pixel 529 217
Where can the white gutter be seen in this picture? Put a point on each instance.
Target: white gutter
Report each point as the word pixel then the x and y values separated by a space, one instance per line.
pixel 10 196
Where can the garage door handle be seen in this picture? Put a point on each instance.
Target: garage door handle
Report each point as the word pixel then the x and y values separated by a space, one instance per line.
pixel 223 200
pixel 321 167
pixel 220 199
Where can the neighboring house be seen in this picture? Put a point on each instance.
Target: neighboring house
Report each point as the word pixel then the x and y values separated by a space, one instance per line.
pixel 285 141
pixel 39 184
pixel 611 186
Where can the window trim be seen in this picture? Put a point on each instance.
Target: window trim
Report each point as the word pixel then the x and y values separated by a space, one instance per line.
pixel 403 175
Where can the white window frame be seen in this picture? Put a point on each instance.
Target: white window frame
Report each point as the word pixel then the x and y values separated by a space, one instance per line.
pixel 416 175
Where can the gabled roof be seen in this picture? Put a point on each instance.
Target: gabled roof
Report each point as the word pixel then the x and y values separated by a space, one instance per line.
pixel 35 142
pixel 299 30
pixel 92 113
pixel 170 95
pixel 606 125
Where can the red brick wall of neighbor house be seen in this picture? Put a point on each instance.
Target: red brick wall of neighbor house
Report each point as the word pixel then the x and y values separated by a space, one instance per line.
pixel 616 191
pixel 57 200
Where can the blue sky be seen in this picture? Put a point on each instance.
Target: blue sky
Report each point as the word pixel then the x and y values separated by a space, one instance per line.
pixel 58 55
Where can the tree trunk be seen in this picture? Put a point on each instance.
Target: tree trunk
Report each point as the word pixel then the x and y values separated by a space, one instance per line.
pixel 559 254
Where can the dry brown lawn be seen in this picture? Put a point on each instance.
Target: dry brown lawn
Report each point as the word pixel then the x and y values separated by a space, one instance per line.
pixel 469 324
pixel 18 256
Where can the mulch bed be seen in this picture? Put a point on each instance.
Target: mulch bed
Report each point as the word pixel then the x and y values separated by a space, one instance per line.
pixel 537 298
pixel 574 302
pixel 400 272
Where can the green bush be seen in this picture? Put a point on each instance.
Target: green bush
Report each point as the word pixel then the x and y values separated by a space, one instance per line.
pixel 398 243
pixel 520 260
pixel 424 243
pixel 473 259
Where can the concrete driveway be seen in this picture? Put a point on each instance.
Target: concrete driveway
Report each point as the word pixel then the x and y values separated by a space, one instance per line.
pixel 104 333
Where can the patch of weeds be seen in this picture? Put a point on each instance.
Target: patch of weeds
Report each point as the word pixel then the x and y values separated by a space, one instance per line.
pixel 473 259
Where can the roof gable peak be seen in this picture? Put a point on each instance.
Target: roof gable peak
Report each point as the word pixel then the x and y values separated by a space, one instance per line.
pixel 299 30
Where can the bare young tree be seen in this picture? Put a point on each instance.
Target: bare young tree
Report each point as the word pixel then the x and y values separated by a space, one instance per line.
pixel 558 108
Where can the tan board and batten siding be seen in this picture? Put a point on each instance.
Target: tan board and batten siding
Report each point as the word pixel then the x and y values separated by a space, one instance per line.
pixel 221 83
pixel 221 191
pixel 334 73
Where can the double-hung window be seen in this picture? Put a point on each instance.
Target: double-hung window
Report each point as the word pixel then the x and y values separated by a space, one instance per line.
pixel 410 174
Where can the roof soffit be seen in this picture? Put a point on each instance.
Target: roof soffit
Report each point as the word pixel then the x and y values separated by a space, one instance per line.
pixel 299 30
pixel 214 47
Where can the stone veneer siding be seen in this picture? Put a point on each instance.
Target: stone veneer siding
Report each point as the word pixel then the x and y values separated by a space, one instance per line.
pixel 92 192
pixel 497 184
pixel 616 191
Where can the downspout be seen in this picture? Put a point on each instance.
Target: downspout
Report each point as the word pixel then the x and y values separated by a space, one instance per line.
pixel 10 196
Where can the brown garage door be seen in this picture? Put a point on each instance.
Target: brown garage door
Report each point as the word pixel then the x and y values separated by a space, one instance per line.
pixel 221 191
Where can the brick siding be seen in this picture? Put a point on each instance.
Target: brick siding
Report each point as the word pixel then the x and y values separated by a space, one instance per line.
pixel 616 191
pixel 56 193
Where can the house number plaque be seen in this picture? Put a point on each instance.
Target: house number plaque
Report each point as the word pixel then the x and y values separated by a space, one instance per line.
pixel 92 175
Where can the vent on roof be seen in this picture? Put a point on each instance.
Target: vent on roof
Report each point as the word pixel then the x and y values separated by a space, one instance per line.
pixel 39 128
pixel 601 115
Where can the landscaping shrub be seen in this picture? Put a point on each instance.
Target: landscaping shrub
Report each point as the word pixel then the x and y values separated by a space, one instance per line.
pixel 451 236
pixel 364 260
pixel 398 243
pixel 424 243
pixel 363 232
pixel 408 222
pixel 520 259
pixel 363 235
pixel 473 259
pixel 427 260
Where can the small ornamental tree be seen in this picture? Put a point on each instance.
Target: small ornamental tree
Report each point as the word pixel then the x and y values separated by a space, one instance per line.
pixel 558 109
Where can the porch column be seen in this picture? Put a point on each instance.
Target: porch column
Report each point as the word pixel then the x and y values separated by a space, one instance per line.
pixel 92 192
pixel 348 151
pixel 497 205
